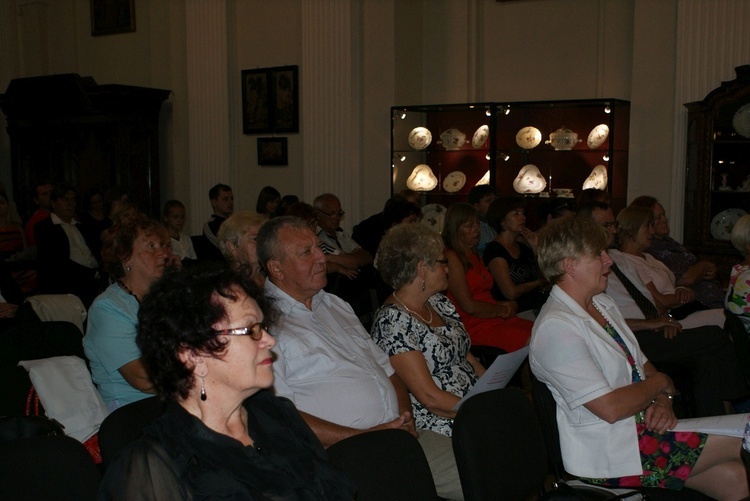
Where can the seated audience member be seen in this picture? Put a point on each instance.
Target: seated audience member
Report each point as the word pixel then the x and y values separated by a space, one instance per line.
pixel 327 364
pixel 636 229
pixel 557 208
pixel 285 203
pixel 340 248
pixel 412 196
pixel 614 409
pixel 700 276
pixel 94 220
pixel 13 248
pixel 237 242
pixel 66 265
pixel 480 197
pixel 396 210
pixel 41 197
pixel 509 259
pixel 11 297
pixel 135 255
pixel 489 322
pixel 223 435
pixel 304 211
pixel 11 232
pixel 737 300
pixel 269 199
pixel 593 195
pixel 349 265
pixel 174 220
pixel 705 352
pixel 113 197
pixel 419 328
pixel 222 203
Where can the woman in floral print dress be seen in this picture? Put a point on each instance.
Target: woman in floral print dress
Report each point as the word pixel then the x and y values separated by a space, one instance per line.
pixel 419 329
pixel 737 300
pixel 614 409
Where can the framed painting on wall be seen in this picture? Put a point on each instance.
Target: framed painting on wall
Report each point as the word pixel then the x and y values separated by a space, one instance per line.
pixel 112 16
pixel 272 151
pixel 270 100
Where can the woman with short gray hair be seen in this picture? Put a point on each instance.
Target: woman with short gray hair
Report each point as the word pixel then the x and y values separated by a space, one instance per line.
pixel 419 328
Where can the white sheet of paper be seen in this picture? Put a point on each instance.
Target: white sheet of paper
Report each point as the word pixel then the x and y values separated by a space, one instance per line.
pixel 732 425
pixel 498 374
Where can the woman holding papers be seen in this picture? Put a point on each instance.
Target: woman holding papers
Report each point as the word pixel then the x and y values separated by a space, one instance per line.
pixel 614 409
pixel 419 328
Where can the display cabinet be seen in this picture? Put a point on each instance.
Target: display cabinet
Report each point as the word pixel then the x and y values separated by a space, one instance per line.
pixel 540 150
pixel 718 168
pixel 68 129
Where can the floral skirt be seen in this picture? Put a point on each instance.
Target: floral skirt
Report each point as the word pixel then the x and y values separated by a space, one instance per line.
pixel 667 460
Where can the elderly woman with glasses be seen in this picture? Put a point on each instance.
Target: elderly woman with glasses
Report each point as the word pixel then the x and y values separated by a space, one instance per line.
pixel 237 237
pixel 223 435
pixel 636 232
pixel 419 328
pixel 614 409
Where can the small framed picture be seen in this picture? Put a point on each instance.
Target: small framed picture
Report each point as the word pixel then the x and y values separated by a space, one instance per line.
pixel 112 16
pixel 272 151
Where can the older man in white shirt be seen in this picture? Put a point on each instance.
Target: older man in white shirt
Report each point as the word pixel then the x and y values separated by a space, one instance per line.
pixel 327 364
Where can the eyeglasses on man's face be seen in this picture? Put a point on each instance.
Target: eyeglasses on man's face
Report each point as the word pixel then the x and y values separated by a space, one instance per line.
pixel 255 331
pixel 339 213
pixel 611 224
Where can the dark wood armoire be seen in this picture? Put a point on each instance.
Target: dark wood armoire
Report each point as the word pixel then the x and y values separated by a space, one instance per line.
pixel 68 129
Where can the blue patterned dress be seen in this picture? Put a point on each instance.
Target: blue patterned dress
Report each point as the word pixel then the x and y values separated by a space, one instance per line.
pixel 444 348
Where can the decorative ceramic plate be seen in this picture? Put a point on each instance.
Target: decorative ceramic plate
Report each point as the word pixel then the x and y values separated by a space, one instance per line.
pixel 597 136
pixel 528 138
pixel 421 179
pixel 480 136
pixel 453 139
pixel 420 138
pixel 433 216
pixel 724 221
pixel 485 179
pixel 741 121
pixel 454 181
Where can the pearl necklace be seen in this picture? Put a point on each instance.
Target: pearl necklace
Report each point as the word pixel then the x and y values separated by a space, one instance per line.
pixel 412 311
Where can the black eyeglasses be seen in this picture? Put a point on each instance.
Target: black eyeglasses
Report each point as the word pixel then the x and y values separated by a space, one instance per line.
pixel 333 214
pixel 255 331
pixel 444 262
pixel 613 224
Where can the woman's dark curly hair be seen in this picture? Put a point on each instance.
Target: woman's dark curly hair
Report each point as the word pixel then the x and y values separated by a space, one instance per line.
pixel 177 315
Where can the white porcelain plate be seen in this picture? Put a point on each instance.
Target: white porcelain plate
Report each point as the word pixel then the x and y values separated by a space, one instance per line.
pixel 480 136
pixel 597 136
pixel 528 138
pixel 433 216
pixel 420 138
pixel 741 121
pixel 454 181
pixel 724 221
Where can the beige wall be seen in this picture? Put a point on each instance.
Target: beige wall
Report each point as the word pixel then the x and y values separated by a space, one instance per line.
pixel 410 52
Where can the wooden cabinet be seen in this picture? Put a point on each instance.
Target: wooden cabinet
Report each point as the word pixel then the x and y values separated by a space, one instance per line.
pixel 68 129
pixel 468 141
pixel 718 168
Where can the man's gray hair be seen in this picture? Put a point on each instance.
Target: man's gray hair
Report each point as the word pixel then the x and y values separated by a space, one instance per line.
pixel 268 245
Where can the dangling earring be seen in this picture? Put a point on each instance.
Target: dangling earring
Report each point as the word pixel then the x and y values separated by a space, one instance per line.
pixel 423 286
pixel 203 388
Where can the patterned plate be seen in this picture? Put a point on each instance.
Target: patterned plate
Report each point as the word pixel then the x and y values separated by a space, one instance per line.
pixel 724 221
